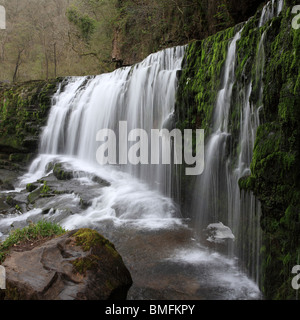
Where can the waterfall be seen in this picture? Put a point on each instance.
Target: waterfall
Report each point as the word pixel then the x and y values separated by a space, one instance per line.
pixel 213 181
pixel 142 95
pixel 217 197
pixel 272 8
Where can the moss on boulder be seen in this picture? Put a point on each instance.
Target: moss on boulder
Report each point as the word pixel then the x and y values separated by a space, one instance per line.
pixel 78 265
pixel 61 173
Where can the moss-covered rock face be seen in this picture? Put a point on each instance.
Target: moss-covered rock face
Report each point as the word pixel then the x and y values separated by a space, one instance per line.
pixel 23 111
pixel 200 81
pixel 197 91
pixel 275 169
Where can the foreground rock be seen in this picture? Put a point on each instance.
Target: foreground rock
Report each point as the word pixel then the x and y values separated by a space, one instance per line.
pixel 80 265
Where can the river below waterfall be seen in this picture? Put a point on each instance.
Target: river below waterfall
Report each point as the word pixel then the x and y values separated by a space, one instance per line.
pixel 171 265
pixel 158 246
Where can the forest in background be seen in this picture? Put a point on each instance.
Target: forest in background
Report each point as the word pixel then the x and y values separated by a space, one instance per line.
pixel 52 38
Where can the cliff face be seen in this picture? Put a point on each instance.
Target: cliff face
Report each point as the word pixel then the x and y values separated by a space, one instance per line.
pixel 274 178
pixel 23 112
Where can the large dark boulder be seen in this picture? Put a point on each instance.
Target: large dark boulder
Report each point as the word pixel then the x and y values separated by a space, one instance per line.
pixel 80 265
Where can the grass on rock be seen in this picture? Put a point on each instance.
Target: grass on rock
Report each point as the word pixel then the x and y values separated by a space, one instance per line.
pixel 42 230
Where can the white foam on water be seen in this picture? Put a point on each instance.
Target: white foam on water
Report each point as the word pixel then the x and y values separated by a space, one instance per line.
pixel 221 273
pixel 9 220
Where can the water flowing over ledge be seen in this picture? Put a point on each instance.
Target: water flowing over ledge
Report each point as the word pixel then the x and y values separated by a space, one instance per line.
pixel 141 200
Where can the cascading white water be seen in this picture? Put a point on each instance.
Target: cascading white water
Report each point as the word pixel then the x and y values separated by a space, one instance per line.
pixel 217 196
pixel 272 8
pixel 214 179
pixel 143 95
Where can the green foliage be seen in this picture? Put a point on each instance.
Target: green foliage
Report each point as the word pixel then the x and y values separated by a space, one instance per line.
pixel 200 81
pixel 223 15
pixel 46 39
pixel 84 23
pixel 275 164
pixel 39 231
pixel 31 187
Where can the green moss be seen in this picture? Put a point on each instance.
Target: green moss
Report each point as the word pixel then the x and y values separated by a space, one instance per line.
pixel 17 157
pixel 275 164
pixel 198 86
pixel 31 187
pixel 82 265
pixel 10 200
pixel 34 195
pixel 23 111
pixel 200 81
pixel 60 173
pixel 45 189
pixel 88 239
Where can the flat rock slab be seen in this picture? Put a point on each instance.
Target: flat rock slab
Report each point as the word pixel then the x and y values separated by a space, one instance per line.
pixel 68 268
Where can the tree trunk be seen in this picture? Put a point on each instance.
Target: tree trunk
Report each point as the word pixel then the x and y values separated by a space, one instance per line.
pixel 18 63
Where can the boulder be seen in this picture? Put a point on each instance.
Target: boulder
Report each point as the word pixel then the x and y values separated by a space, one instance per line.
pixel 61 173
pixel 80 265
pixel 219 233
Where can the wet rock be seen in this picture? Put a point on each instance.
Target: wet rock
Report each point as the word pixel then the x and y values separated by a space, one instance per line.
pixel 34 195
pixel 85 204
pixel 31 143
pixel 7 179
pixel 61 173
pixel 4 206
pixel 80 265
pixel 100 181
pixel 219 233
pixel 6 185
pixel 31 187
pixel 218 237
pixel 66 204
pixel 10 201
